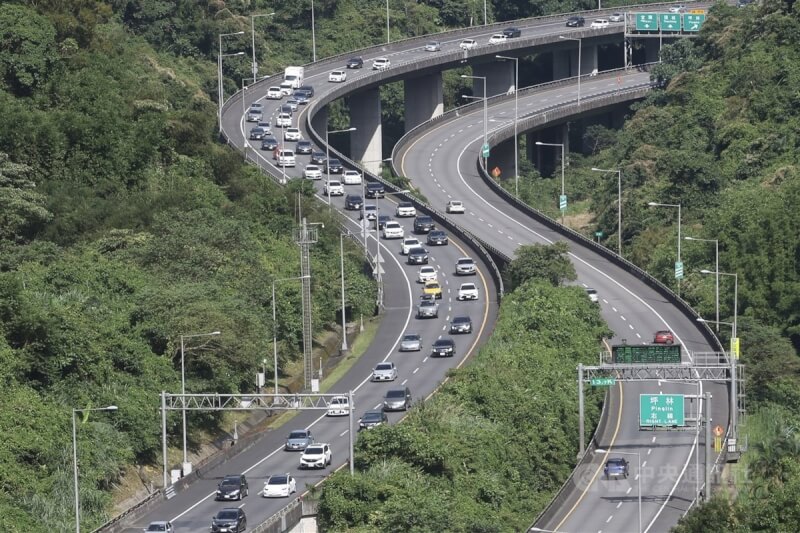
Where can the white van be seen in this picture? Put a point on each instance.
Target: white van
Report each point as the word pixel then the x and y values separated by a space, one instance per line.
pixel 286 158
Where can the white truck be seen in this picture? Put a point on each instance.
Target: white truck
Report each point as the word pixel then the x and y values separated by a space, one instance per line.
pixel 292 79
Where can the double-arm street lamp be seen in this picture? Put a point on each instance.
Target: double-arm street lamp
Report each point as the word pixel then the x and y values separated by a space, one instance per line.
pixel 253 36
pixel 638 478
pixel 619 205
pixel 678 264
pixel 220 91
pixel 716 268
pixel 275 327
pixel 75 459
pixel 563 200
pixel 186 465
pixel 485 146
pixel 580 45
pixel 516 114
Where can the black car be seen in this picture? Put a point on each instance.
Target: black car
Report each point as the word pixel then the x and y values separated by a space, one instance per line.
pixel 232 488
pixel 461 324
pixel 308 89
pixel 257 133
pixel 353 202
pixel 318 158
pixel 286 108
pixel 372 419
pixel 512 32
pixel 355 62
pixel 437 238
pixel 301 97
pixel 444 347
pixel 375 190
pixel 576 22
pixel 417 256
pixel 382 220
pixel 269 143
pixel 229 520
pixel 423 224
pixel 334 166
pixel 303 147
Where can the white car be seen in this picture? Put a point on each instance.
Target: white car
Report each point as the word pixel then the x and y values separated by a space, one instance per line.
pixel 426 273
pixel 316 456
pixel 468 44
pixel 381 63
pixel 409 243
pixel 312 172
pixel 616 17
pixel 333 188
pixel 339 406
pixel 406 209
pixel 280 486
pixel 351 177
pixel 160 527
pixel 284 120
pixel 393 230
pixel 385 371
pixel 292 134
pixel 465 266
pixel 370 212
pixel 599 23
pixel 677 9
pixel 337 76
pixel 274 93
pixel 592 293
pixel 455 206
pixel 433 46
pixel 468 291
pixel 286 158
pixel 498 38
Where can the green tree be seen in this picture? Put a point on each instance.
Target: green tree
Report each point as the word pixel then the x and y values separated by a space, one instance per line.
pixel 540 262
pixel 28 54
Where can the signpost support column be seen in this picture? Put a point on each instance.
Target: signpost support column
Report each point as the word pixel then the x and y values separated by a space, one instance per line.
pixel 707 485
pixel 581 449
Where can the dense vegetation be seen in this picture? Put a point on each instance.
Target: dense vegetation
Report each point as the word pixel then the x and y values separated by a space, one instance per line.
pixel 499 438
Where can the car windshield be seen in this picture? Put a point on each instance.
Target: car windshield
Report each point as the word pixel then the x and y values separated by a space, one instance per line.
pixel 314 450
pixel 461 320
pixel 298 435
pixel 443 342
pixel 411 337
pixel 384 366
pixel 372 416
pixel 339 401
pixel 468 286
pixel 157 527
pixel 405 204
pixel 616 462
pixel 394 394
pixel 277 480
pixel 227 515
pixel 465 261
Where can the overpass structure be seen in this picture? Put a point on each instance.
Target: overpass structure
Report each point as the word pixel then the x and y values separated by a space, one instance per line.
pixel 440 153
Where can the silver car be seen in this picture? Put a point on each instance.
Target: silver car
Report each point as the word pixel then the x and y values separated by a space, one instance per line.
pixel 298 440
pixel 397 400
pixel 433 46
pixel 428 309
pixel 384 372
pixel 412 342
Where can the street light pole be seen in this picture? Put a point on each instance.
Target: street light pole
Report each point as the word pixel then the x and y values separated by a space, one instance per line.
pixel 485 112
pixel 275 329
pixel 183 389
pixel 619 206
pixel 313 34
pixel 563 190
pixel 220 94
pixel 716 268
pixel 341 266
pixel 657 204
pixel 253 36
pixel 516 115
pixel 638 477
pixel 388 38
pixel 580 46
pixel 75 460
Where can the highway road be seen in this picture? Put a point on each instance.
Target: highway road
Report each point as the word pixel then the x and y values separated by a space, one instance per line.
pixel 629 305
pixel 441 160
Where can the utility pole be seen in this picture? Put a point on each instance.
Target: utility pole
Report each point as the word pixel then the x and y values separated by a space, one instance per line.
pixel 305 236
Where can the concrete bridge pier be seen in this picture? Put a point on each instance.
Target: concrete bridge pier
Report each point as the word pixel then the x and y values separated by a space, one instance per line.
pixel 499 78
pixel 565 61
pixel 423 99
pixel 365 116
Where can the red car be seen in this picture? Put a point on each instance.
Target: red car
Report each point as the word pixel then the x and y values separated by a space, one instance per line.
pixel 663 337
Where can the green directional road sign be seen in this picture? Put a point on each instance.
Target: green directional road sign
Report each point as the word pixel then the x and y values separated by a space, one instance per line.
pixel 661 410
pixel 693 22
pixel 678 269
pixel 670 21
pixel 646 22
pixel 485 151
pixel 603 382
pixel 562 202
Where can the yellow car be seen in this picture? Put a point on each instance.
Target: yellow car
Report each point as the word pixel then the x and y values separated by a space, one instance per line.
pixel 433 287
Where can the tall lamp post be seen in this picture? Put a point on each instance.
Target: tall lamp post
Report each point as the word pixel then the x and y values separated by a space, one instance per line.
pixel 716 268
pixel 341 266
pixel 733 356
pixel 485 114
pixel 275 328
pixel 220 94
pixel 619 206
pixel 516 115
pixel 75 459
pixel 388 38
pixel 638 477
pixel 678 263
pixel 580 45
pixel 313 35
pixel 186 465
pixel 563 200
pixel 253 36
pixel 328 159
